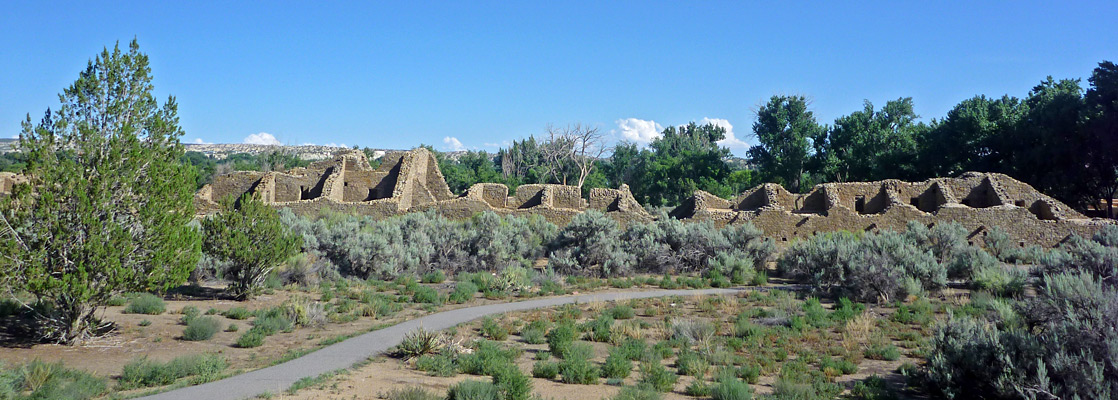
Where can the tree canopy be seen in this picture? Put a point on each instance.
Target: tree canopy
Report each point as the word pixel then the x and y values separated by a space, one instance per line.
pixel 108 201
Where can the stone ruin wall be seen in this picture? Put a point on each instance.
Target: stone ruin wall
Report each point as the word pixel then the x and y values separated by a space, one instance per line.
pixel 411 182
pixel 978 201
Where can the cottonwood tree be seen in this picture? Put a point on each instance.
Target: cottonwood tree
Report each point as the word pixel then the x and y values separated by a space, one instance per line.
pixel 784 128
pixel 250 235
pixel 576 148
pixel 107 202
pixel 1102 128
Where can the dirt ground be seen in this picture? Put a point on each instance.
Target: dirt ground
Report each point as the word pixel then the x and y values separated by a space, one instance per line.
pixel 385 373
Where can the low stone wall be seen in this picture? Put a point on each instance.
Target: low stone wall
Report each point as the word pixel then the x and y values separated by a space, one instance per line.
pixel 411 182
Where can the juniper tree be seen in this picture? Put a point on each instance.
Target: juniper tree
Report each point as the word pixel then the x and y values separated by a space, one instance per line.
pixel 107 202
pixel 250 235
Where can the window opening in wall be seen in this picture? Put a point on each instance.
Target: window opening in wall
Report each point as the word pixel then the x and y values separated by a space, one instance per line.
pixel 1019 203
pixel 860 204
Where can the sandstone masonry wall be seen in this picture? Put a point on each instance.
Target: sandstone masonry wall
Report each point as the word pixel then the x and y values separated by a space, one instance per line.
pixel 412 182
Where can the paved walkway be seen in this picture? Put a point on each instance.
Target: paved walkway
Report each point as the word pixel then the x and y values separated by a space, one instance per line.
pixel 345 354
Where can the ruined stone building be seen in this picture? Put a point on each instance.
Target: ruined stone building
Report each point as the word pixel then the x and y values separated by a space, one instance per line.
pixel 407 182
pixel 411 181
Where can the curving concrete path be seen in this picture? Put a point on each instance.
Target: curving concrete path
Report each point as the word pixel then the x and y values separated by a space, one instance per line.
pixel 345 354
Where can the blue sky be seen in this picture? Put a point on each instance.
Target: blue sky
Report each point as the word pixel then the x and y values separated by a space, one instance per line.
pixel 394 75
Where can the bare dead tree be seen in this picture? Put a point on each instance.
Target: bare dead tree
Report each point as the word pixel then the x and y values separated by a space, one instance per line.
pixel 578 146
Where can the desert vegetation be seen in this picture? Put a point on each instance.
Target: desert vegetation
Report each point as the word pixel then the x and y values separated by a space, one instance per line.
pixel 101 244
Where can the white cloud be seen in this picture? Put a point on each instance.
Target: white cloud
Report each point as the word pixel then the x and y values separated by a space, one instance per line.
pixel 730 141
pixel 637 130
pixel 199 141
pixel 453 144
pixel 262 138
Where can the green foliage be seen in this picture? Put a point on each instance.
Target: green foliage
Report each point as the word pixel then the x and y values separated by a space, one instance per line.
pixel 492 330
pixel 270 323
pixel 201 328
pixel 252 338
pixel 999 280
pixel 512 383
pixel 436 365
pixel 419 342
pixel 409 393
pixel 545 369
pixel 622 312
pixel 876 266
pixel 143 372
pixel 678 162
pixel 691 363
pixel 642 392
pixel 591 246
pixel 1072 330
pixel 146 303
pixel 872 388
pixel 248 234
pixel 871 145
pixel 784 129
pixel 424 294
pixel 237 313
pixel 618 364
pixel 560 339
pixel 41 380
pixel 731 389
pixel 576 368
pixel 107 202
pixel 473 390
pixel 657 377
pixel 435 276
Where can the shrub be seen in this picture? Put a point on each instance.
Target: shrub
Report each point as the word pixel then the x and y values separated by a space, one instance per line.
pixel 237 313
pixel 473 390
pixel 657 377
pixel 600 328
pixel 967 261
pixel 409 393
pixel 886 352
pixel 41 380
pixel 272 322
pixel 436 365
pixel 252 338
pixel 622 312
pixel 578 370
pixel 690 363
pixel 999 280
pixel 146 303
pixel 188 314
pixel 463 292
pixel 201 328
pixel 424 294
pixel 419 342
pixel 637 393
pixel 533 335
pixel 142 372
pixel 512 383
pixel 545 369
pixel 436 276
pixel 633 349
pixel 492 330
pixel 1107 236
pixel 232 328
pixel 593 247
pixel 560 339
pixel 731 389
pixel 617 365
pixel 1060 353
pixel 872 388
pixel 250 235
pixel 690 331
